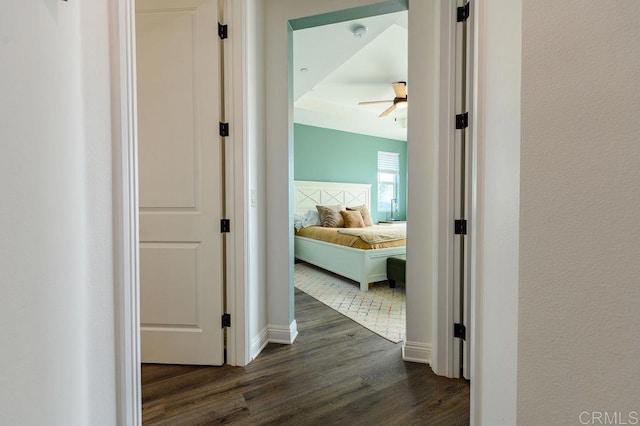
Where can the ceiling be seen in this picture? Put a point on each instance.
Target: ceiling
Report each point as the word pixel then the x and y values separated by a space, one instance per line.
pixel 334 70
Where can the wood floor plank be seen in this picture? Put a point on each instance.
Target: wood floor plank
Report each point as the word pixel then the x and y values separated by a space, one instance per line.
pixel 337 372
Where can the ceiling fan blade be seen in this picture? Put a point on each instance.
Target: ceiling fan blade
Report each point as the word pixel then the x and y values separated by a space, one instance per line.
pixel 400 87
pixel 374 102
pixel 387 111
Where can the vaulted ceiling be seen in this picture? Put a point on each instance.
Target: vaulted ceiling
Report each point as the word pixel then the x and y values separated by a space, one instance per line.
pixel 334 70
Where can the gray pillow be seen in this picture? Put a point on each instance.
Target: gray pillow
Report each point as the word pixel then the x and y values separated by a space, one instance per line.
pixel 330 216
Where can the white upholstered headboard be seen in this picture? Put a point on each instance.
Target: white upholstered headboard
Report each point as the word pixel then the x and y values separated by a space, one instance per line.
pixel 309 194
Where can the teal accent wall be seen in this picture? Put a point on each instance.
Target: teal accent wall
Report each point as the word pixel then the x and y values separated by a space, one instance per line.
pixel 328 155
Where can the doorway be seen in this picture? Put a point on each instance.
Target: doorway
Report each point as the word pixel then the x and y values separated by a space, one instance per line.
pixel 430 315
pixel 347 76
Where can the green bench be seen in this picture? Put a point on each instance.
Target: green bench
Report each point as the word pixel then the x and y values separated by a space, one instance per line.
pixel 396 270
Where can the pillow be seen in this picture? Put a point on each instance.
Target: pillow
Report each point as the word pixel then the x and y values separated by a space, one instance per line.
pixel 311 218
pixel 364 211
pixel 330 216
pixel 352 219
pixel 298 221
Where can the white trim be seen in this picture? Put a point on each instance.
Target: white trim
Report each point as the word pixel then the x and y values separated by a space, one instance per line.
pixel 259 342
pixel 471 191
pixel 238 39
pixel 443 296
pixel 416 352
pixel 476 121
pixel 497 87
pixel 237 244
pixel 125 200
pixel 283 334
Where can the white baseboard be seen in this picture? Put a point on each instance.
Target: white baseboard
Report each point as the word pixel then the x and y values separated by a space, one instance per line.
pixel 416 352
pixel 282 334
pixel 258 343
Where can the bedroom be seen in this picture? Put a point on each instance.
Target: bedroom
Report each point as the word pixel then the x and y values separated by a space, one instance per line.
pixel 340 141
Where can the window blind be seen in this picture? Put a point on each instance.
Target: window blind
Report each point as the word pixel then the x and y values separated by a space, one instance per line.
pixel 388 162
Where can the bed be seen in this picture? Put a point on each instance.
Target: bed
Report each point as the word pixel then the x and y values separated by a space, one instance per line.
pixel 362 265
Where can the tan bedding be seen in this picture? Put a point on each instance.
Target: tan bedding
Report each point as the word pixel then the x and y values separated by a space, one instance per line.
pixel 331 235
pixel 377 234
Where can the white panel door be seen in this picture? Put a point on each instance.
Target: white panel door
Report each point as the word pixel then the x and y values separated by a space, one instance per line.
pixel 179 179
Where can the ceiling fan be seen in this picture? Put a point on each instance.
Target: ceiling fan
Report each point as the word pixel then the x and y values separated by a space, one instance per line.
pixel 400 101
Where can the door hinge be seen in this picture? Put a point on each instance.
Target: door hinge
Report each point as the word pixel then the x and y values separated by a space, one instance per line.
pixel 460 227
pixel 460 331
pixel 223 32
pixel 463 13
pixel 224 129
pixel 226 320
pixel 225 226
pixel 462 121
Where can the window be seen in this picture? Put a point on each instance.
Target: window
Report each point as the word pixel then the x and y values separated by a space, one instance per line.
pixel 388 178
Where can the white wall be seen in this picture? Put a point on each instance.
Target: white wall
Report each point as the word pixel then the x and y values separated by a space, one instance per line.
pixel 554 320
pixel 578 343
pixel 422 183
pixel 497 127
pixel 56 282
pixel 255 167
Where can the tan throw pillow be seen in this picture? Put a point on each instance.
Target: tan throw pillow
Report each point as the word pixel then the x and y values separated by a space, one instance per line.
pixel 352 219
pixel 330 216
pixel 364 211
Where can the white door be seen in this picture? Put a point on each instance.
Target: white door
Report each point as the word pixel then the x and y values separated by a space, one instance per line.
pixel 181 265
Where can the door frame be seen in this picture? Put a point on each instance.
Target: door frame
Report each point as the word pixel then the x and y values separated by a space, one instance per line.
pixel 125 202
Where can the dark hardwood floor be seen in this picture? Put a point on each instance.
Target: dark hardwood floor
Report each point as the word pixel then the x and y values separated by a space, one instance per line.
pixel 336 372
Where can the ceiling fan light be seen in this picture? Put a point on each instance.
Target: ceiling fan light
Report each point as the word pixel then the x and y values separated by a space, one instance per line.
pixel 402 104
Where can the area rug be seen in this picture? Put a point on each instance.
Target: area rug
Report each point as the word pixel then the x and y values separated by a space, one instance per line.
pixel 381 309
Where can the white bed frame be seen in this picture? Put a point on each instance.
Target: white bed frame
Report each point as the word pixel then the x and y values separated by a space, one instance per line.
pixel 363 266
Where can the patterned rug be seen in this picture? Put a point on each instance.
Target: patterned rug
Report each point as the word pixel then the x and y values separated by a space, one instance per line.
pixel 381 309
